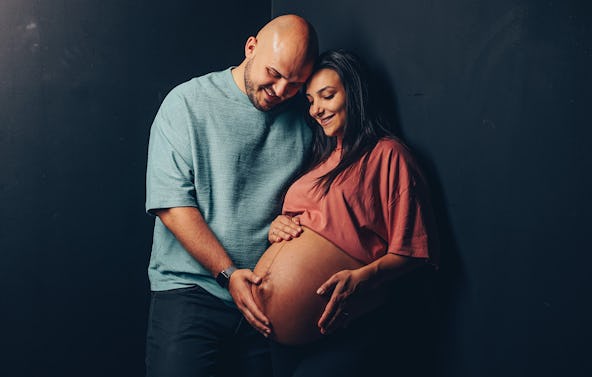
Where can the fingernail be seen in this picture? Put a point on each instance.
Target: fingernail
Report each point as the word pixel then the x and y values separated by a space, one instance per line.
pixel 320 291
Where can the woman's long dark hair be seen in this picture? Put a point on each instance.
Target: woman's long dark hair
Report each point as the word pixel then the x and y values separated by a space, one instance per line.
pixel 364 125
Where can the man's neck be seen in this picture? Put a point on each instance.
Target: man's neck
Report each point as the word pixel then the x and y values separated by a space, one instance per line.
pixel 238 74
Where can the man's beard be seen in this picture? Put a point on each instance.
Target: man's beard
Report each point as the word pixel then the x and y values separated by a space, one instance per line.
pixel 250 88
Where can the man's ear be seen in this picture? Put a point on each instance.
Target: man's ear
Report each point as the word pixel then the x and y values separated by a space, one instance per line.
pixel 250 46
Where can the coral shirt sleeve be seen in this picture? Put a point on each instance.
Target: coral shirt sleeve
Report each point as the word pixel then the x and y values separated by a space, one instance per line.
pixel 407 212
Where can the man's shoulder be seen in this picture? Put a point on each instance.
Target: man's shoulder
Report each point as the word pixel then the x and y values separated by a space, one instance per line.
pixel 204 83
pixel 218 79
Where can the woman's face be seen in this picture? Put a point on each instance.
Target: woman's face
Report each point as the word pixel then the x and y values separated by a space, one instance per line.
pixel 326 96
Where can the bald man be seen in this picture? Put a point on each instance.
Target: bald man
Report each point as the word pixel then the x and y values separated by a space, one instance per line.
pixel 222 148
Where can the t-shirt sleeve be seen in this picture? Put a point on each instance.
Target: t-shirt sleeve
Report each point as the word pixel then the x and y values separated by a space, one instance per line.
pixel 408 213
pixel 169 173
pixel 408 229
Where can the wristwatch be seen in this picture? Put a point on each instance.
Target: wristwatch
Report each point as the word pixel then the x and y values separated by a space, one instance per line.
pixel 223 278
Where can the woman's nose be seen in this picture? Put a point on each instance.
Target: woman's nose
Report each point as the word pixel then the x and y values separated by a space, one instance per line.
pixel 316 111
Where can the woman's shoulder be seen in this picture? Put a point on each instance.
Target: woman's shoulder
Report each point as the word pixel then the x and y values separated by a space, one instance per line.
pixel 389 146
pixel 391 153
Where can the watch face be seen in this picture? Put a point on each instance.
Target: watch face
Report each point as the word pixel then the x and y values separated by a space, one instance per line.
pixel 223 277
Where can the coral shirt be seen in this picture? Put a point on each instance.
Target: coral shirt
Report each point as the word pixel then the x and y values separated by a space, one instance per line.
pixel 384 210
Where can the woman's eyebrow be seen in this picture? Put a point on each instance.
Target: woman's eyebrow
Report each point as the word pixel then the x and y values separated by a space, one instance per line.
pixel 325 88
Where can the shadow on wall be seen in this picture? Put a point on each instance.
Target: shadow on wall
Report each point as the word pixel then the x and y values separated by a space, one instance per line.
pixel 429 300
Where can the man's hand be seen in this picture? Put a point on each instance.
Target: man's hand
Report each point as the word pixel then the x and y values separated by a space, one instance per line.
pixel 240 290
pixel 284 228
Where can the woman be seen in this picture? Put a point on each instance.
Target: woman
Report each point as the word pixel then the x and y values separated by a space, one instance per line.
pixel 362 214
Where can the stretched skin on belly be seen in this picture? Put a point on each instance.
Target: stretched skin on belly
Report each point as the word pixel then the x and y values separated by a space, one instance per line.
pixel 292 271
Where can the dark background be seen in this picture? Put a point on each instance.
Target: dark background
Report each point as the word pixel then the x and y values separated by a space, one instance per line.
pixel 492 96
pixel 495 98
pixel 80 82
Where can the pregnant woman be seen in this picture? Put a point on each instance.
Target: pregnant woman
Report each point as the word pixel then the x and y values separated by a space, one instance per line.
pixel 358 218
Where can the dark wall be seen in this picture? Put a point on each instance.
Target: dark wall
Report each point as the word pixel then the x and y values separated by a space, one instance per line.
pixel 491 95
pixel 494 97
pixel 80 82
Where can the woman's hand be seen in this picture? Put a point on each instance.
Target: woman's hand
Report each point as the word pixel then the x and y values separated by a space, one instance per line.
pixel 367 285
pixel 342 286
pixel 284 228
pixel 239 287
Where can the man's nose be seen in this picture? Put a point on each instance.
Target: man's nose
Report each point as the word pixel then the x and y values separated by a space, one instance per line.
pixel 280 87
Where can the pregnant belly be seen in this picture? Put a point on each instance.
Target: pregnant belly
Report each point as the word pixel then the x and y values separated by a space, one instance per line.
pixel 292 271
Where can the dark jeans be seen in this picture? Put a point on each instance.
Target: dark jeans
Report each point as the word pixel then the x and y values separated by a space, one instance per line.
pixel 192 333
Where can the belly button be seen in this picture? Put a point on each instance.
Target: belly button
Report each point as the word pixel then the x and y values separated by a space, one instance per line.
pixel 264 288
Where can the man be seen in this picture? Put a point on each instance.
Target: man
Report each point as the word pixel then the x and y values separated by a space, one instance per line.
pixel 222 148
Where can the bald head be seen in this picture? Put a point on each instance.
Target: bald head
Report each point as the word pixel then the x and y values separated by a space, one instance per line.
pixel 278 61
pixel 291 34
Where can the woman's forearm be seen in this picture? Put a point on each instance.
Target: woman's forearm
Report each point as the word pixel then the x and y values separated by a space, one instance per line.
pixel 387 268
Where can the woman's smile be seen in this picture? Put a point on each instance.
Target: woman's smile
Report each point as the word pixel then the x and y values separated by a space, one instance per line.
pixel 326 96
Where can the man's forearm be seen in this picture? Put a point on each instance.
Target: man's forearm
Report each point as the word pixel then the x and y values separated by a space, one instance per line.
pixel 191 230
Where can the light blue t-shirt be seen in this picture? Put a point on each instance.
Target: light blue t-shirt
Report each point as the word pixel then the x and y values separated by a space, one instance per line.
pixel 210 148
